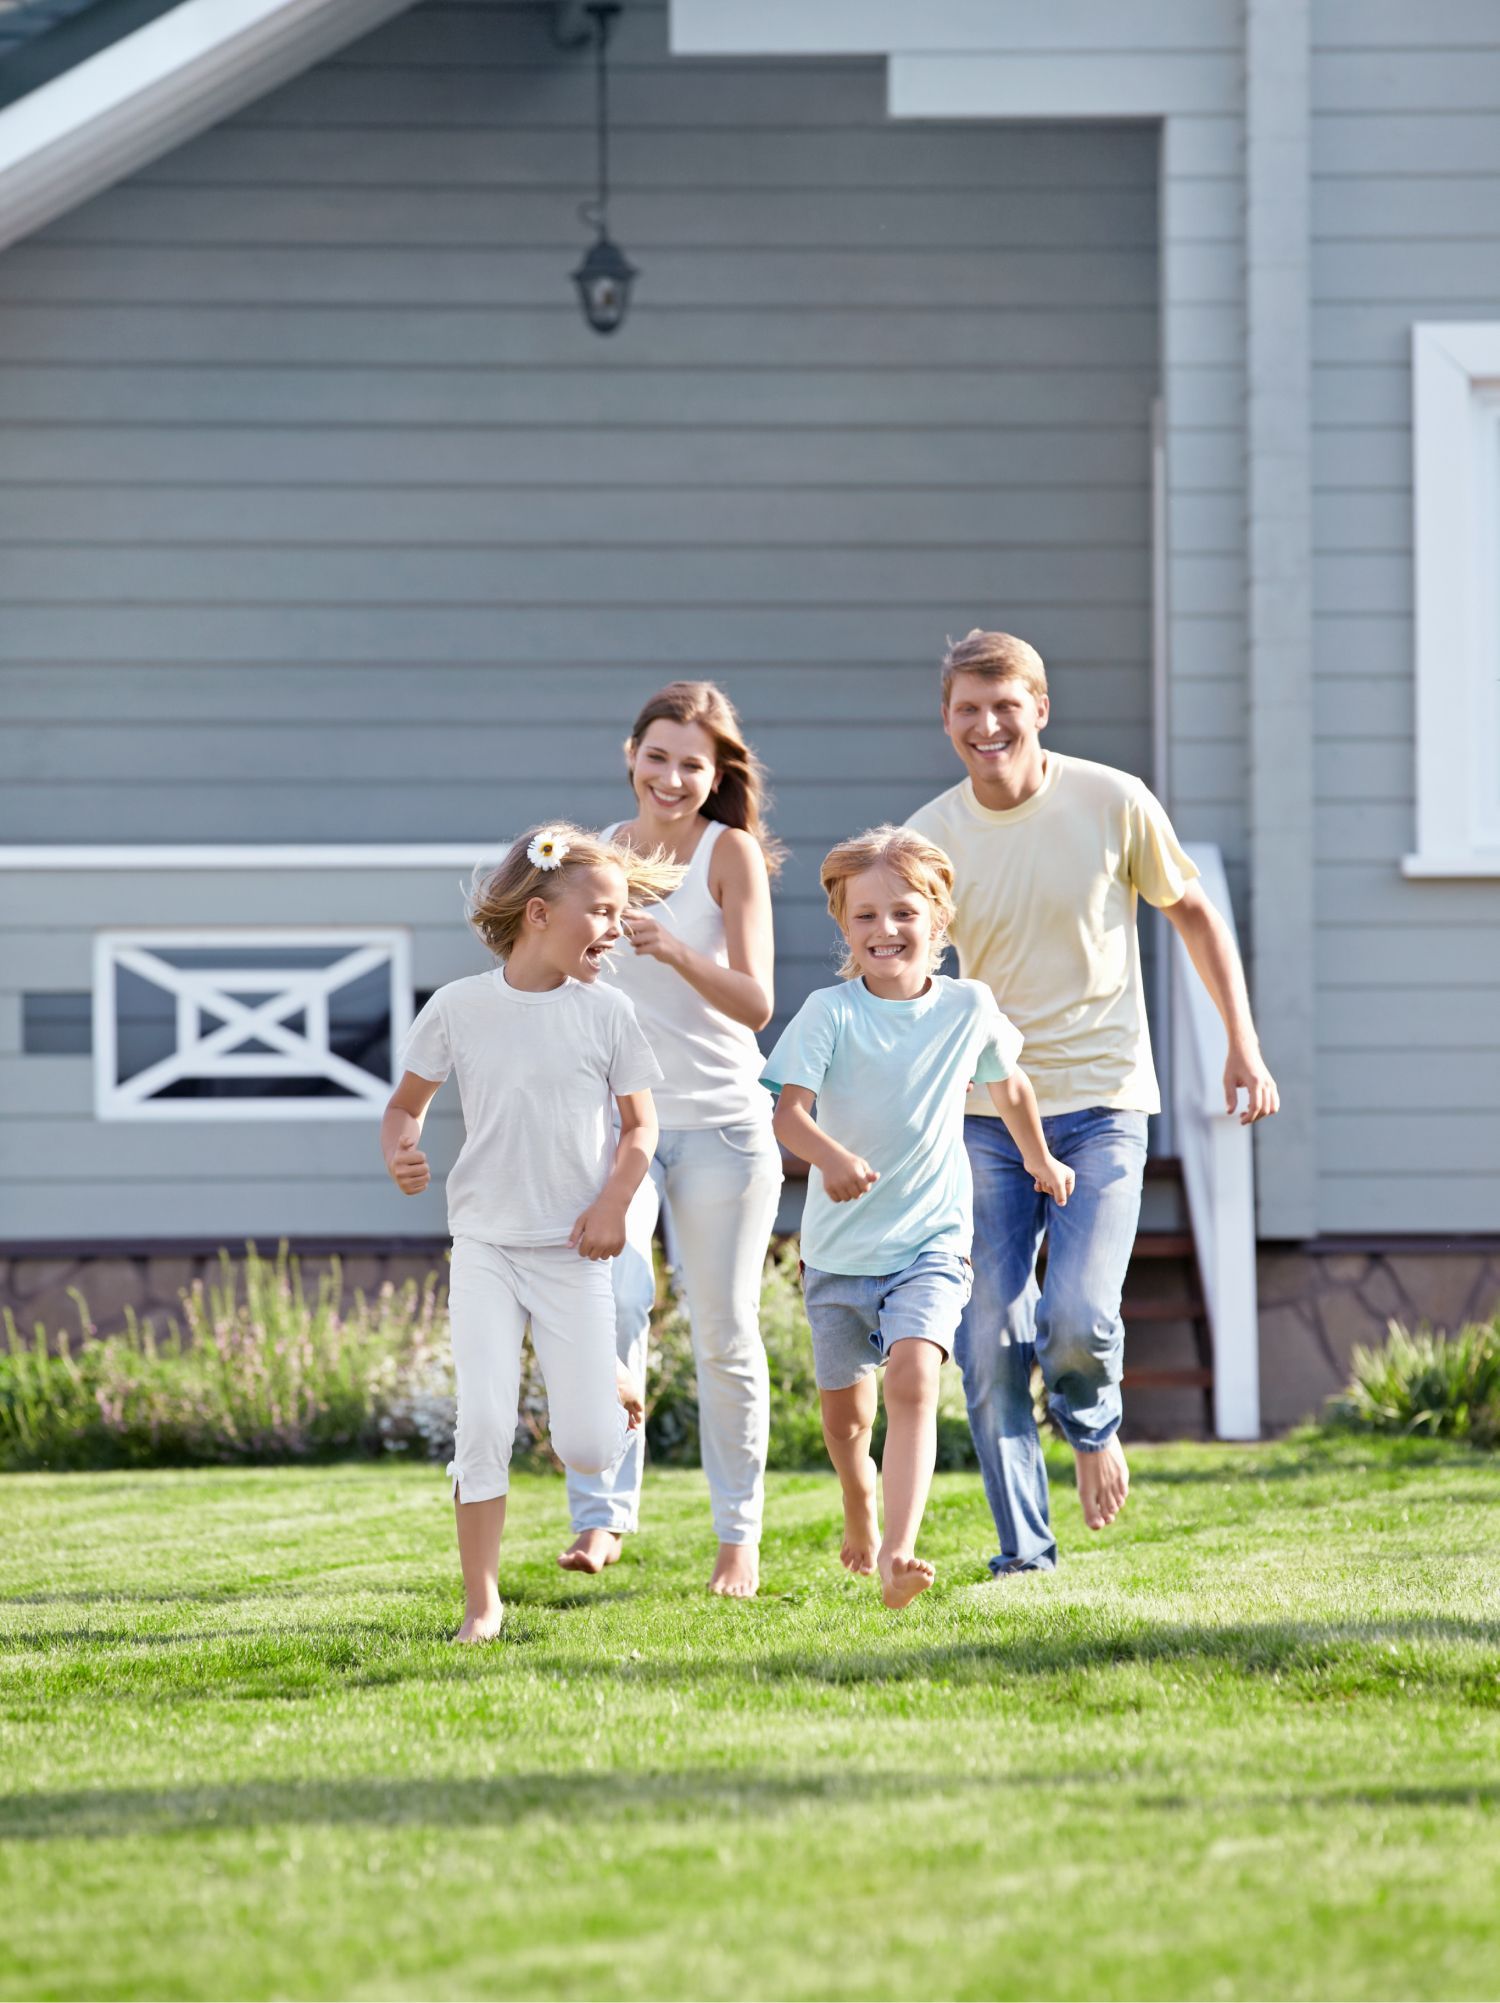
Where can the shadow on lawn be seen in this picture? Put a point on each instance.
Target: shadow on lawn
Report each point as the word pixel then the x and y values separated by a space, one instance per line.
pixel 701 1794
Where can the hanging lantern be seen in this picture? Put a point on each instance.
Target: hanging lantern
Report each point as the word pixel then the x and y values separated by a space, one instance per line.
pixel 606 274
pixel 603 280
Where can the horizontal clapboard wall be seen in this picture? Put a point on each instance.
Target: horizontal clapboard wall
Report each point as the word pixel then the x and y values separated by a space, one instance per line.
pixel 323 518
pixel 1406 220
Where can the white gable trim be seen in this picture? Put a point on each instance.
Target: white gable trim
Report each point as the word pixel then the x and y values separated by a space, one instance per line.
pixel 170 80
pixel 1456 498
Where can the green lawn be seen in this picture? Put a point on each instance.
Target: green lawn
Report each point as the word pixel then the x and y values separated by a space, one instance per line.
pixel 1246 1744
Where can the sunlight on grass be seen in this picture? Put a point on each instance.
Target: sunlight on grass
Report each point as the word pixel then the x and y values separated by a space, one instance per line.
pixel 1248 1744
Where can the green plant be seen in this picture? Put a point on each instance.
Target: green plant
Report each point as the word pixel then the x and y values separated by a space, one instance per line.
pixel 1443 1386
pixel 259 1370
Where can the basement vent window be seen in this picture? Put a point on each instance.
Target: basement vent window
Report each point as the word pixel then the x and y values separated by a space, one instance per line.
pixel 248 1025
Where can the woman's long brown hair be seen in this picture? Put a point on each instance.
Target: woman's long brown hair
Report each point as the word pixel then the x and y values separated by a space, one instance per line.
pixel 740 798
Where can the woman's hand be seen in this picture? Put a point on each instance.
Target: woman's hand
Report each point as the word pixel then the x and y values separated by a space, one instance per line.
pixel 652 939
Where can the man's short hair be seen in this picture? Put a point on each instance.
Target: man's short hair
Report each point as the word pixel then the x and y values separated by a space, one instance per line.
pixel 999 657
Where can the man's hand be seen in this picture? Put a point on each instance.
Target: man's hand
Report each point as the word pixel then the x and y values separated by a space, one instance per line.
pixel 848 1178
pixel 408 1169
pixel 600 1232
pixel 1051 1177
pixel 1247 1068
pixel 651 938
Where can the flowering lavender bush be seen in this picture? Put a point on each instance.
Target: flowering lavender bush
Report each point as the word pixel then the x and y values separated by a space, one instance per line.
pixel 257 1371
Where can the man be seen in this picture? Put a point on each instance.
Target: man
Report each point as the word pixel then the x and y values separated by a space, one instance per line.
pixel 1050 855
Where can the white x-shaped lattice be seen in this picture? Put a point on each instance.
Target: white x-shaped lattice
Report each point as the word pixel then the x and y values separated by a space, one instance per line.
pixel 221 996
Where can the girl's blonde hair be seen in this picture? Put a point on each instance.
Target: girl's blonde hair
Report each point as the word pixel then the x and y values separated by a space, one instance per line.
pixel 496 900
pixel 740 797
pixel 919 863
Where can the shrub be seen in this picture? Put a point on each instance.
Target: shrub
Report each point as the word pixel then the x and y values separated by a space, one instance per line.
pixel 262 1371
pixel 1440 1386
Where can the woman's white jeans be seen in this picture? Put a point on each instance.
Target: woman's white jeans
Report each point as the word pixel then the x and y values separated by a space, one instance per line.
pixel 721 1186
pixel 493 1291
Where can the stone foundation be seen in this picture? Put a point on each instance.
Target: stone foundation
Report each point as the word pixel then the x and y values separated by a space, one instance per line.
pixel 1316 1305
pixel 151 1284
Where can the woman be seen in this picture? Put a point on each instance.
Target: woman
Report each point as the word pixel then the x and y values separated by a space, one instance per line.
pixel 699 971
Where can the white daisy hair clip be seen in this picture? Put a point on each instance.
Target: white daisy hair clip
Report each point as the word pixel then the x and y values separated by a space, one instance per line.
pixel 546 850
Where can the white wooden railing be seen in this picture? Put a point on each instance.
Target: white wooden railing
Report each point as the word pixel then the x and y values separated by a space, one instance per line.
pixel 1218 1176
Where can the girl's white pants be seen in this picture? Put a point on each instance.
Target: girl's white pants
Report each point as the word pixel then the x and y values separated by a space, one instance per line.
pixel 493 1291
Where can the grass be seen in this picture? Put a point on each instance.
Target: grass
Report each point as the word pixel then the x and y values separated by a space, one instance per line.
pixel 1247 1744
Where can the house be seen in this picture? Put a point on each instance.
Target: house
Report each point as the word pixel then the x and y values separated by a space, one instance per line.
pixel 336 547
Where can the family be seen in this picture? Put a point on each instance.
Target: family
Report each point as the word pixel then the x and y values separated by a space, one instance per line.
pixel 608 1065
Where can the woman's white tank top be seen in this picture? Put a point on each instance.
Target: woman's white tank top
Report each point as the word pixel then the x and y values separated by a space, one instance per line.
pixel 711 1064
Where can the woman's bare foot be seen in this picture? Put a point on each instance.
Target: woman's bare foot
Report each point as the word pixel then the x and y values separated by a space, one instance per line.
pixel 736 1573
pixel 482 1627
pixel 861 1534
pixel 901 1579
pixel 591 1551
pixel 1103 1483
pixel 631 1396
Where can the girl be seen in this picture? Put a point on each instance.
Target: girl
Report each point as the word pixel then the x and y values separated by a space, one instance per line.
pixel 887 1231
pixel 698 968
pixel 538 1195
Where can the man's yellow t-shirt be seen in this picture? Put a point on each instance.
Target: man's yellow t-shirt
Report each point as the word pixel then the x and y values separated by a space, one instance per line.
pixel 1046 896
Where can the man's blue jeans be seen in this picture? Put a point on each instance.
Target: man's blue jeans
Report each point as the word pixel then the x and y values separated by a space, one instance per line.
pixel 1071 1327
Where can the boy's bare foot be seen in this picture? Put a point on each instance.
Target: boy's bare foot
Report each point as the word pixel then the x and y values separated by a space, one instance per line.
pixel 1103 1483
pixel 591 1551
pixel 481 1627
pixel 861 1534
pixel 901 1579
pixel 631 1396
pixel 736 1573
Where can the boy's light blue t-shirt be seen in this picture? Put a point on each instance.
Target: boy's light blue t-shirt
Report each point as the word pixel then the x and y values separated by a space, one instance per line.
pixel 890 1079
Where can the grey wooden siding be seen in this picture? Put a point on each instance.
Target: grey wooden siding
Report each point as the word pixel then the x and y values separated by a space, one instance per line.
pixel 323 518
pixel 1406 221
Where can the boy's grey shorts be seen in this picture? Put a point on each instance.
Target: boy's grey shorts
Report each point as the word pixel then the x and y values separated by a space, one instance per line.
pixel 856 1317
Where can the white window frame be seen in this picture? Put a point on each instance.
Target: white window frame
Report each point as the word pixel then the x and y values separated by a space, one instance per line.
pixel 1456 533
pixel 288 991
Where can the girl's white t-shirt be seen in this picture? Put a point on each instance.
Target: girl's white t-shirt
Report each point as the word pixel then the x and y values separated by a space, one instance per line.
pixel 536 1075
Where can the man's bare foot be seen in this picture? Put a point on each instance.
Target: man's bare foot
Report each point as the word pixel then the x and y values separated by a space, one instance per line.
pixel 1103 1484
pixel 631 1396
pixel 861 1534
pixel 736 1573
pixel 901 1579
pixel 481 1627
pixel 591 1551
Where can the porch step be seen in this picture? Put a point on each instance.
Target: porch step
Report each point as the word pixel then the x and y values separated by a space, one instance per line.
pixel 1168 1343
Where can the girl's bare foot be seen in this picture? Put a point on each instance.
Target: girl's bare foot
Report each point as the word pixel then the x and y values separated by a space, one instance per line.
pixel 1103 1483
pixel 736 1573
pixel 591 1551
pixel 482 1627
pixel 901 1579
pixel 861 1534
pixel 631 1396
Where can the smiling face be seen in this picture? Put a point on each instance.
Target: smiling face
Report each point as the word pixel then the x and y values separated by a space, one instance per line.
pixel 673 770
pixel 571 934
pixel 995 728
pixel 891 929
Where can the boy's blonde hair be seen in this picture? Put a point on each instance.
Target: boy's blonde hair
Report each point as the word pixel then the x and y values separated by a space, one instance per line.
pixel 497 896
pixel 919 863
pixel 999 657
